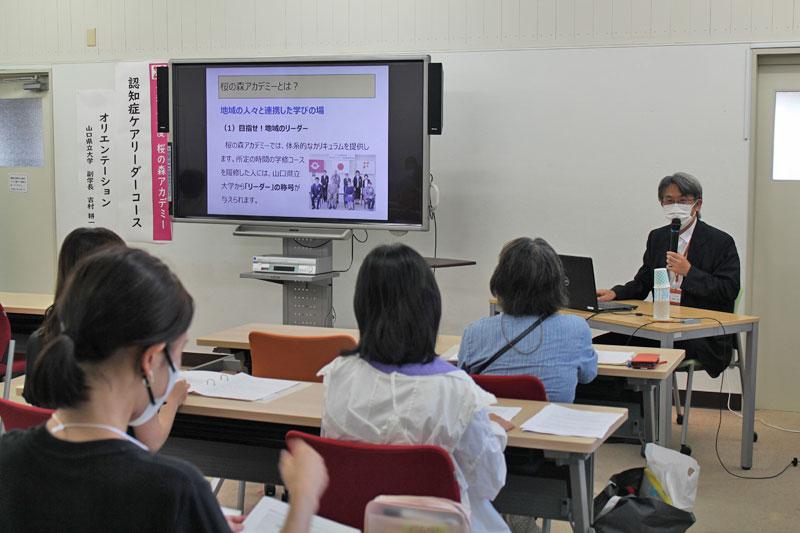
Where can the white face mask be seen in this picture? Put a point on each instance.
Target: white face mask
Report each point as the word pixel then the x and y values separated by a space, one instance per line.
pixel 680 211
pixel 155 403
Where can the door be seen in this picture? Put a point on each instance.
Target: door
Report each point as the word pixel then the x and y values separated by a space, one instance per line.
pixel 775 259
pixel 27 215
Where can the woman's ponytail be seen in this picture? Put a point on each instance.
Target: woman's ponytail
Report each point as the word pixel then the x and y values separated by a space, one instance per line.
pixel 57 380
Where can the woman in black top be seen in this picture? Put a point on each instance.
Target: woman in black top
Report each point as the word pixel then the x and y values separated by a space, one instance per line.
pixel 123 316
pixel 81 243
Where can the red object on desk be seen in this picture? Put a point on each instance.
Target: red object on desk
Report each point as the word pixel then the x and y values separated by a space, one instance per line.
pixel 645 360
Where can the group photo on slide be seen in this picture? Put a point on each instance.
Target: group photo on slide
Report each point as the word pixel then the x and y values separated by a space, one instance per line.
pixel 342 184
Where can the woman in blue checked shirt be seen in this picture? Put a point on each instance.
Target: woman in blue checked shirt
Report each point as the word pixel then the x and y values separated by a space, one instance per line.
pixel 529 284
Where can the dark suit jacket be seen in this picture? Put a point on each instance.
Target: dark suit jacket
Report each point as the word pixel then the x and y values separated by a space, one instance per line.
pixel 712 283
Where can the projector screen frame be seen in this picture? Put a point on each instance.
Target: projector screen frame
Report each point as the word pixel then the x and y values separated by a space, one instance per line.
pixel 310 224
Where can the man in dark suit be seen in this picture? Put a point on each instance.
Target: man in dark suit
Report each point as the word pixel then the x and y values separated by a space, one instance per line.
pixel 704 272
pixel 324 182
pixel 316 192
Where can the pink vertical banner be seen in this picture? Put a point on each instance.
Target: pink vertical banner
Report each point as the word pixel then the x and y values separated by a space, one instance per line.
pixel 162 224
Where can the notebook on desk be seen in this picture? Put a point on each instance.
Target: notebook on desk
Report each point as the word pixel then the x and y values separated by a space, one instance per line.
pixel 581 287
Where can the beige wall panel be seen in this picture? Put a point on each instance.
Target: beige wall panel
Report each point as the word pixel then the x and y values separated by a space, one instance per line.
pixel 584 19
pixel 761 18
pixel 309 35
pixel 54 31
pixel 510 23
pixel 547 20
pixel 721 18
pixel 492 22
pixel 679 21
pixel 474 20
pixel 661 20
pixel 699 19
pixel 388 23
pixel 189 25
pixel 604 21
pixel 641 20
pixel 341 28
pixel 529 21
pixel 565 20
pixel 783 16
pixel 406 24
pixel 621 19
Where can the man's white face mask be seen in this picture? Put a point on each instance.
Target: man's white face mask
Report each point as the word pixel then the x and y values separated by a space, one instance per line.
pixel 680 211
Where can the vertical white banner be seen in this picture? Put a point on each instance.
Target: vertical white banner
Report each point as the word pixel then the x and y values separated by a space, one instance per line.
pixel 97 179
pixel 133 162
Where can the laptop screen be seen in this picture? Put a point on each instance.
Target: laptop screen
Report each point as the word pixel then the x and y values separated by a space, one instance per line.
pixel 579 281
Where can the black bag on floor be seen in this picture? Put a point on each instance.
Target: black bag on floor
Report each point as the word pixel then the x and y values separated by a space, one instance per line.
pixel 634 514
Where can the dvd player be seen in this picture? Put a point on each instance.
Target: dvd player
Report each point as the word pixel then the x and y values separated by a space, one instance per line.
pixel 280 264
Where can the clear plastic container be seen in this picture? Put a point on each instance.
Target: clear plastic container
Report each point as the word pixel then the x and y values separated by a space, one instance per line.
pixel 661 303
pixel 660 294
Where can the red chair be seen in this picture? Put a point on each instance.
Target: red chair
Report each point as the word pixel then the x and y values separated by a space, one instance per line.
pixel 518 387
pixel 17 365
pixel 21 416
pixel 359 472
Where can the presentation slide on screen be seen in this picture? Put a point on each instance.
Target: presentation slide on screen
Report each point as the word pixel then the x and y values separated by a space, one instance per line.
pixel 307 142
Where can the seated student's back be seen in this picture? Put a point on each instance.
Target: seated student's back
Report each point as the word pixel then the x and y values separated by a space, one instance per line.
pixel 529 285
pixel 123 318
pixel 559 352
pixel 106 485
pixel 395 390
pixel 79 243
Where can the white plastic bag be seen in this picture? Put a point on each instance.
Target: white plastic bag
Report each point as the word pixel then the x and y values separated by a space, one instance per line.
pixel 677 473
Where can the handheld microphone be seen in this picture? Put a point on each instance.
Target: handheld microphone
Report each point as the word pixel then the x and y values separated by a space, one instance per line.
pixel 674 230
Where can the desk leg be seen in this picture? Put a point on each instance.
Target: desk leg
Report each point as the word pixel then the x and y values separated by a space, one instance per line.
pixel 665 401
pixel 664 392
pixel 651 423
pixel 580 475
pixel 749 397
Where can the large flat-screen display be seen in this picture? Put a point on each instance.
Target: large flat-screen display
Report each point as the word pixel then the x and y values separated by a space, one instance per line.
pixel 306 143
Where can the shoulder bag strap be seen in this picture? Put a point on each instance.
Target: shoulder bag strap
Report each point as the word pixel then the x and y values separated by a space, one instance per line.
pixel 478 368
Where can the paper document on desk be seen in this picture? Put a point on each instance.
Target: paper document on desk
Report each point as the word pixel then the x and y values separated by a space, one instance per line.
pixel 269 514
pixel 605 357
pixel 506 413
pixel 451 354
pixel 239 386
pixel 558 420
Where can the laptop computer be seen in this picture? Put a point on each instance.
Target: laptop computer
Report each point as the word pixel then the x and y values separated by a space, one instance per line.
pixel 581 288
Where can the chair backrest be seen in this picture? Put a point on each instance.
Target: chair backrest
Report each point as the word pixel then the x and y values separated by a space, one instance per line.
pixel 295 357
pixel 20 416
pixel 517 387
pixel 359 472
pixel 5 334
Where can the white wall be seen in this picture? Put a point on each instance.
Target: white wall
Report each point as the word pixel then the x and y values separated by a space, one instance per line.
pixel 567 144
pixel 564 144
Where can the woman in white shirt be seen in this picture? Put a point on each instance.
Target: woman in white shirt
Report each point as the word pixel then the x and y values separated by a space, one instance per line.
pixel 395 390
